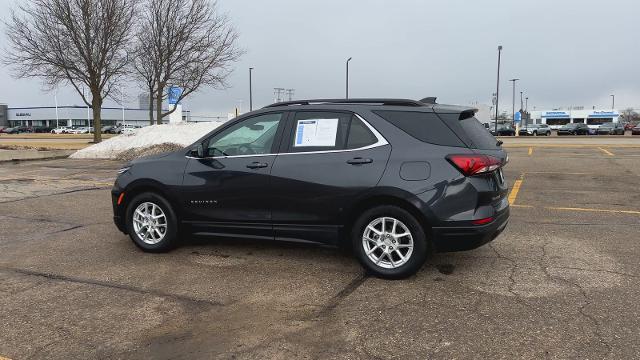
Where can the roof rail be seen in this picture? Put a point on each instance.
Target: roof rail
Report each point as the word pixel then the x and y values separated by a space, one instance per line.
pixel 395 102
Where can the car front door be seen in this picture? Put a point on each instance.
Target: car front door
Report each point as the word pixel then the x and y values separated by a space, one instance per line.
pixel 226 190
pixel 327 161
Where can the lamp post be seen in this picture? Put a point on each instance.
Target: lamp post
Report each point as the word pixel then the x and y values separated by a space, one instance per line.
pixel 250 91
pixel 347 90
pixel 613 102
pixel 498 89
pixel 526 104
pixel 513 104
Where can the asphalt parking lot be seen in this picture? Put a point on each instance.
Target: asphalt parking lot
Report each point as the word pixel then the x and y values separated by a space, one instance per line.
pixel 563 280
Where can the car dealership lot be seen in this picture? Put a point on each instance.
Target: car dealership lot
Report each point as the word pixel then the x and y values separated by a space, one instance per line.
pixel 561 282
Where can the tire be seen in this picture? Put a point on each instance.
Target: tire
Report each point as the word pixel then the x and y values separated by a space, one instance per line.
pixel 163 240
pixel 535 133
pixel 391 265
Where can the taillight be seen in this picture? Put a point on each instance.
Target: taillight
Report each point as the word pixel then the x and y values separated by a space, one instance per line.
pixel 471 164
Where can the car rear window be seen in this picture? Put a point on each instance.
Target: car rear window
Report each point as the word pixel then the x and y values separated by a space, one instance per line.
pixel 478 134
pixel 424 126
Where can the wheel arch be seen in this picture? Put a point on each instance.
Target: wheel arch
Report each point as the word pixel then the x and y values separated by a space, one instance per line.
pixel 381 199
pixel 146 185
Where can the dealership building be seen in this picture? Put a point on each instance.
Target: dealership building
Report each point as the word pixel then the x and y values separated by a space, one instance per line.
pixel 557 118
pixel 76 116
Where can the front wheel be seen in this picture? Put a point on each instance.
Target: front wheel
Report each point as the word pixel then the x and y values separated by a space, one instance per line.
pixel 152 223
pixel 389 242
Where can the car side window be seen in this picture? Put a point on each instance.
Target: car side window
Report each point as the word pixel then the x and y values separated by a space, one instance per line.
pixel 319 131
pixel 252 136
pixel 359 135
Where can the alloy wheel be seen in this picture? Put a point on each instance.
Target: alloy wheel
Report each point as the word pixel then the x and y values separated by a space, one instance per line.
pixel 387 242
pixel 149 223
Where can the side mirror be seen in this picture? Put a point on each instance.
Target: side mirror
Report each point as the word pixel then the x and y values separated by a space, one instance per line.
pixel 197 151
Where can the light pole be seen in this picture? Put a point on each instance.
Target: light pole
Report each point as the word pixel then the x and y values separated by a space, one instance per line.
pixel 613 102
pixel 347 90
pixel 526 104
pixel 513 105
pixel 498 89
pixel 57 116
pixel 250 91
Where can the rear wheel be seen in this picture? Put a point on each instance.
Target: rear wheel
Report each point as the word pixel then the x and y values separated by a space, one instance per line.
pixel 389 242
pixel 152 223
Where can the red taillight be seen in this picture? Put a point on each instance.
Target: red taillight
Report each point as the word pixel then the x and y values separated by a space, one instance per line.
pixel 482 221
pixel 474 164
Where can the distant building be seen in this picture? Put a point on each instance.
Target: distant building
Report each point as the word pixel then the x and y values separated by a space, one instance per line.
pixel 144 101
pixel 77 116
pixel 4 118
pixel 557 118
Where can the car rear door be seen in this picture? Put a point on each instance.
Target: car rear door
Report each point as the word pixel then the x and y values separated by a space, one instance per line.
pixel 328 159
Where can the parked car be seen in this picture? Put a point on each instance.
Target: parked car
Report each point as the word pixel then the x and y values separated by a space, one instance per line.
pixel 611 129
pixel 11 130
pixel 129 129
pixel 2 129
pixel 574 129
pixel 42 129
pixel 503 130
pixel 61 130
pixel 24 129
pixel 535 130
pixel 323 171
pixel 629 126
pixel 106 129
pixel 635 130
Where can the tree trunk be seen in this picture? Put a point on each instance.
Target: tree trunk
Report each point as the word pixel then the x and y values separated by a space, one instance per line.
pixel 96 104
pixel 159 104
pixel 151 100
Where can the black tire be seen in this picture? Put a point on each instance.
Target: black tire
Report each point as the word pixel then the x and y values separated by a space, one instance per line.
pixel 417 257
pixel 535 133
pixel 170 239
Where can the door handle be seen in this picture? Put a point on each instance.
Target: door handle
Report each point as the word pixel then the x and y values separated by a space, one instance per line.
pixel 359 161
pixel 257 165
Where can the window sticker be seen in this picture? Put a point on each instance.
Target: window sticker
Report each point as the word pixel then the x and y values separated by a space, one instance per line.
pixel 316 132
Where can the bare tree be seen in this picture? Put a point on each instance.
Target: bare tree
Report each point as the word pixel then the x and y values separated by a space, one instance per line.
pixel 145 71
pixel 187 44
pixel 80 42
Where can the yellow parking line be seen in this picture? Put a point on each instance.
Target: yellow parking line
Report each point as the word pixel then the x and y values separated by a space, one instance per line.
pixel 514 190
pixel 4 358
pixel 522 206
pixel 633 212
pixel 606 151
pixel 530 151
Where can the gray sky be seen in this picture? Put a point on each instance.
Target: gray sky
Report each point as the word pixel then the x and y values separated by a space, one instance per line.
pixel 565 52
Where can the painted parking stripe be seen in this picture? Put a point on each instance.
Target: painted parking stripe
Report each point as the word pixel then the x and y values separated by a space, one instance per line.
pixel 530 151
pixel 633 212
pixel 513 195
pixel 606 151
pixel 4 358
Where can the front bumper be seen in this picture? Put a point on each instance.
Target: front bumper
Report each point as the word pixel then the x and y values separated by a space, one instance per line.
pixel 461 238
pixel 118 211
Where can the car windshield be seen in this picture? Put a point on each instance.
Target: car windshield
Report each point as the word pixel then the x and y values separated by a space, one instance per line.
pixel 608 125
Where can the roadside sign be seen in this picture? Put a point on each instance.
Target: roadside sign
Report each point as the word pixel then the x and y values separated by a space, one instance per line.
pixel 518 117
pixel 174 93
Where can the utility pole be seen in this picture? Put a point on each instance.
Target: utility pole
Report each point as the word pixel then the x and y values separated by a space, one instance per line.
pixel 57 117
pixel 513 104
pixel 250 91
pixel 290 93
pixel 526 104
pixel 613 102
pixel 347 90
pixel 498 89
pixel 277 92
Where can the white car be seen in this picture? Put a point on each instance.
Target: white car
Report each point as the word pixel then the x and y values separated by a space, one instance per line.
pixel 130 129
pixel 61 130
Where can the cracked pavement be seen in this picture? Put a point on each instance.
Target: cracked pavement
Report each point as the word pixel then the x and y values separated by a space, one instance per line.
pixel 556 284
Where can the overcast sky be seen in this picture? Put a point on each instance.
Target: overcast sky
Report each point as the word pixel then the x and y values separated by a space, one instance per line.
pixel 565 52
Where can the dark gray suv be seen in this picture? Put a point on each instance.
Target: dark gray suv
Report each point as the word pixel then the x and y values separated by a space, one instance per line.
pixel 391 179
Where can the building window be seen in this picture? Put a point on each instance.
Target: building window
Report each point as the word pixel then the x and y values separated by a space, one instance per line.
pixel 599 121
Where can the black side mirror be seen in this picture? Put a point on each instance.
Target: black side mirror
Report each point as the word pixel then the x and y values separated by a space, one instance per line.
pixel 197 151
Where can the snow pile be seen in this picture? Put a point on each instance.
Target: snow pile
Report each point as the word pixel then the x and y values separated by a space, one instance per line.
pixel 182 134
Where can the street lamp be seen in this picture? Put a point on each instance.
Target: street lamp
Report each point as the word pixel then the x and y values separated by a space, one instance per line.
pixel 613 102
pixel 498 89
pixel 526 104
pixel 513 105
pixel 347 91
pixel 250 91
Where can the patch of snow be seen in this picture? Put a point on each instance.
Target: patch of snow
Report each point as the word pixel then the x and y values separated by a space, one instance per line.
pixel 181 133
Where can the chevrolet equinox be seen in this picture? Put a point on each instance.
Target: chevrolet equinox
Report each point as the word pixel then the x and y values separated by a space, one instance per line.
pixel 393 180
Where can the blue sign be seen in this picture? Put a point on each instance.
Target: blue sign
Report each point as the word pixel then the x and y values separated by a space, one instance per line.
pixel 174 94
pixel 518 117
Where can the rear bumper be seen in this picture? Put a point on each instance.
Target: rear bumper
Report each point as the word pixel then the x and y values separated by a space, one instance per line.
pixel 449 239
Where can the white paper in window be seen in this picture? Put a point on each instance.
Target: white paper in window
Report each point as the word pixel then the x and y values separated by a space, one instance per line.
pixel 316 132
